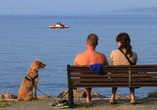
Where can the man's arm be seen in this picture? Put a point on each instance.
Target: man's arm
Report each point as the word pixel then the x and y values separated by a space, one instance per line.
pixel 75 61
pixel 105 60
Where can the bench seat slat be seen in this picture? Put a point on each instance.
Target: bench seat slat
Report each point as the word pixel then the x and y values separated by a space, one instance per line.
pixel 113 79
pixel 143 84
pixel 97 75
pixel 100 80
pixel 99 84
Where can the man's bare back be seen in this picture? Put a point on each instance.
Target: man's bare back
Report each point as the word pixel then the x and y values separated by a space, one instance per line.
pixel 90 57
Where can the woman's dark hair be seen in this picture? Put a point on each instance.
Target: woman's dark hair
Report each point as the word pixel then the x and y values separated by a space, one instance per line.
pixel 125 40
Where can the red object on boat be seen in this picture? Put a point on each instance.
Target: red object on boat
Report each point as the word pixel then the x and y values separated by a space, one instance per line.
pixel 58 26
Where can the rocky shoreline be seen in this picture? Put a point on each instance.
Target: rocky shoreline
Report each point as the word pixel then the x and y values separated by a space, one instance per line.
pixel 78 93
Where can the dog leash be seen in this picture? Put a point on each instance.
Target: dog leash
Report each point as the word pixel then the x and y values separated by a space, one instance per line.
pixel 53 98
pixel 42 92
pixel 45 94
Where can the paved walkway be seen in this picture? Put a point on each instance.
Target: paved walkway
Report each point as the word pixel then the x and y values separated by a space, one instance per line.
pixel 97 104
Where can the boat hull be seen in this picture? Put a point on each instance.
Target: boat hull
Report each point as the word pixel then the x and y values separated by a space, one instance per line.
pixel 59 27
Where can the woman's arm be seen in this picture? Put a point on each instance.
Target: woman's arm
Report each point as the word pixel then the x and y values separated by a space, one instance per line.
pixel 111 61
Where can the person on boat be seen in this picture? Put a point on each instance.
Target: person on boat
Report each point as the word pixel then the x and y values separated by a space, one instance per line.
pixel 118 58
pixel 57 24
pixel 61 24
pixel 90 57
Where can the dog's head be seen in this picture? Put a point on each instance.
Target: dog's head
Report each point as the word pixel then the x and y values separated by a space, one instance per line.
pixel 37 65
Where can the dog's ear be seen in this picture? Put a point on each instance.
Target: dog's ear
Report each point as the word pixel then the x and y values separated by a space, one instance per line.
pixel 37 63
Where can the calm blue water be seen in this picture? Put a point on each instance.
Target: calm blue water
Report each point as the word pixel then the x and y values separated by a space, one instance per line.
pixel 24 39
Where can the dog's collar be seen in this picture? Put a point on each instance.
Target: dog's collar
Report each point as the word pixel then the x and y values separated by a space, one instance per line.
pixel 34 70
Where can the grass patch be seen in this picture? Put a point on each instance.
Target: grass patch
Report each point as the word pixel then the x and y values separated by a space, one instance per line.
pixel 4 103
pixel 148 96
pixel 2 96
pixel 45 101
pixel 84 105
pixel 20 100
pixel 35 98
pixel 115 105
pixel 12 102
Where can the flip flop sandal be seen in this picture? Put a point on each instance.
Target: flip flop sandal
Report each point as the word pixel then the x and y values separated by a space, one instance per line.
pixel 63 101
pixel 61 104
pixel 133 102
pixel 113 102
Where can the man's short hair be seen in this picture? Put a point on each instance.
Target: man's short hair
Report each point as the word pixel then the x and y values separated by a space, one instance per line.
pixel 92 40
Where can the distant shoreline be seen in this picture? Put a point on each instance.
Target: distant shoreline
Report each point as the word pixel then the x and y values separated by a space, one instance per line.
pixel 73 14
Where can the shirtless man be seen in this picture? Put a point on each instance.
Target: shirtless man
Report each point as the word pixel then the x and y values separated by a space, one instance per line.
pixel 90 57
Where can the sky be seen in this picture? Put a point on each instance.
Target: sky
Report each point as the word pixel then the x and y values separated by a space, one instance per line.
pixel 69 6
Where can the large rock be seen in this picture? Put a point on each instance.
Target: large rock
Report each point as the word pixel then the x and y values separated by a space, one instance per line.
pixel 7 96
pixel 77 93
pixel 96 95
pixel 124 96
pixel 152 94
pixel 44 96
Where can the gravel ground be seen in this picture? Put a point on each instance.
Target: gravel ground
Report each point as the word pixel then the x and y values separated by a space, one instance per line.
pixel 97 104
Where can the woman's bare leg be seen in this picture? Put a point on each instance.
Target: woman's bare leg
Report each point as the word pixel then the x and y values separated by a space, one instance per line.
pixel 88 93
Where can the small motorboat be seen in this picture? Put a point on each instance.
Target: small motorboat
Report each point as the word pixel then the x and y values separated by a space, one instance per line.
pixel 58 26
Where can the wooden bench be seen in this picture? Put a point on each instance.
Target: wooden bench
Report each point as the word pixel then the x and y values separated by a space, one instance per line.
pixel 111 76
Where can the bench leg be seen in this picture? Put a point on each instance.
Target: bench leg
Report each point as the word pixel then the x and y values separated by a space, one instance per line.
pixel 70 98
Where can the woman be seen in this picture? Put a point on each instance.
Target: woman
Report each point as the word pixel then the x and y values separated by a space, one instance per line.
pixel 118 58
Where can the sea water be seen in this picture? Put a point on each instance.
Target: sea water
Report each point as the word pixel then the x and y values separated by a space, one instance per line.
pixel 25 38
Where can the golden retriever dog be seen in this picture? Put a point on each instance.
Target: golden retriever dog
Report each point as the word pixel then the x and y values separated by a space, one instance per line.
pixel 31 80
